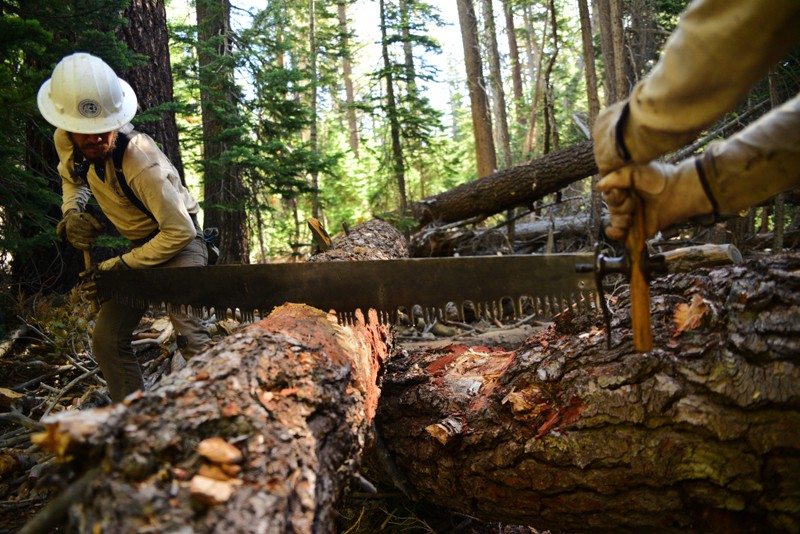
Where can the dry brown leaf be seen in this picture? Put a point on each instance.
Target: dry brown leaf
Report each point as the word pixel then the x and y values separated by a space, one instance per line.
pixel 690 316
pixel 8 397
pixel 213 471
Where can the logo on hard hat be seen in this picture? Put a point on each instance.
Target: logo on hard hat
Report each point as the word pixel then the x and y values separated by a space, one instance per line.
pixel 89 108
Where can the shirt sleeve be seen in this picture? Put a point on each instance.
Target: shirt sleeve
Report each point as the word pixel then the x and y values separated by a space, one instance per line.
pixel 176 229
pixel 75 191
pixel 756 163
pixel 719 50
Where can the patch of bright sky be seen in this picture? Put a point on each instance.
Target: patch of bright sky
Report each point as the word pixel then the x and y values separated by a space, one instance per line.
pixel 364 19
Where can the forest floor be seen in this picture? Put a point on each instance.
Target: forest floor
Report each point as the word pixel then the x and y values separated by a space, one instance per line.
pixel 46 367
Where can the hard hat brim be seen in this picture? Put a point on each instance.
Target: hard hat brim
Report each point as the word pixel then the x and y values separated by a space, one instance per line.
pixel 86 125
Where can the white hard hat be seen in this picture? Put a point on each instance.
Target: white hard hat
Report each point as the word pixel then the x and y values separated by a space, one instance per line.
pixel 84 95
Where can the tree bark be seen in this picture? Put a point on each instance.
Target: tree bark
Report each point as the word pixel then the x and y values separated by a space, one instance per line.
pixel 485 154
pixel 223 186
pixel 287 400
pixel 590 73
pixel 503 141
pixel 146 34
pixel 702 433
pixel 290 397
pixel 514 60
pixel 530 143
pixel 347 75
pixel 506 189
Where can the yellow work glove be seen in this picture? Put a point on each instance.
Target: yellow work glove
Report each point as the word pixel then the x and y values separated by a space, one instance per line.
pixel 80 229
pixel 89 284
pixel 609 147
pixel 669 193
pixel 114 264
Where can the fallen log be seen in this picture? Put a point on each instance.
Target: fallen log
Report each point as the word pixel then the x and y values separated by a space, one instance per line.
pixel 702 433
pixel 520 185
pixel 689 258
pixel 437 240
pixel 562 433
pixel 261 433
pixel 283 407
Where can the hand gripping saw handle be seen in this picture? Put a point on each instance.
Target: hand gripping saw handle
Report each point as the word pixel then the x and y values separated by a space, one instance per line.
pixel 637 265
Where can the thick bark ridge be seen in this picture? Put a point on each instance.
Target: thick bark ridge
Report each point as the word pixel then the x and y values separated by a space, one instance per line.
pixel 563 434
pixel 288 394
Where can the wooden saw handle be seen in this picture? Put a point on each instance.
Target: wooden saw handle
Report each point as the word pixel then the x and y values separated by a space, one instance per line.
pixel 87 263
pixel 640 290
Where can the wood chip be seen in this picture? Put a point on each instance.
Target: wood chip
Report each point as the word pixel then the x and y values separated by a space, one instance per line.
pixel 219 451
pixel 210 491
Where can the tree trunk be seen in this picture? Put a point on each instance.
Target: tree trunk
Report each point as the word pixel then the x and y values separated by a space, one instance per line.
pixel 485 154
pixel 550 127
pixel 590 72
pixel 618 42
pixel 398 162
pixel 595 203
pixel 532 134
pixel 284 403
pixel 608 50
pixel 313 136
pixel 701 434
pixel 514 60
pixel 287 402
pixel 496 85
pixel 146 34
pixel 223 186
pixel 347 74
pixel 520 185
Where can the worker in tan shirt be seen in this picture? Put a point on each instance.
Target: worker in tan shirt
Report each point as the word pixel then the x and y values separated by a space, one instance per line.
pixel 718 51
pixel 145 200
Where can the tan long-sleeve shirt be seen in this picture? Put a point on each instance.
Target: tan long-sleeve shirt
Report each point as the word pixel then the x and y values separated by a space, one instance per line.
pixel 719 50
pixel 153 180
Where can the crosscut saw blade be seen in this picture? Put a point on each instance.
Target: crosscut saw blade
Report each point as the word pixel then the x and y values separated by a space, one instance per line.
pixel 495 286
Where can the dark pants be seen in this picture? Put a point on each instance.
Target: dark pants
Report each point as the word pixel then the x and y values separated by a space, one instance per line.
pixel 113 332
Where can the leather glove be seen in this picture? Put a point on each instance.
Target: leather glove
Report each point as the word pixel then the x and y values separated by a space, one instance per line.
pixel 114 264
pixel 669 194
pixel 80 229
pixel 88 287
pixel 609 146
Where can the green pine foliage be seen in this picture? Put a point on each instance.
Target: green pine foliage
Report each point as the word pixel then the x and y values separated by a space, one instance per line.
pixel 34 36
pixel 287 116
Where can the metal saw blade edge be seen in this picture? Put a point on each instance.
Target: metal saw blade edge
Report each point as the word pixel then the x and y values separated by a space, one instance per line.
pixel 489 283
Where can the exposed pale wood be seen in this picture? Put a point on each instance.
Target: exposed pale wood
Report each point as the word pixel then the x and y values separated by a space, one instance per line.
pixel 702 434
pixel 711 255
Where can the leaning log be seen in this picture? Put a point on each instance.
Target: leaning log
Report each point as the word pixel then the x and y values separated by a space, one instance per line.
pixel 701 434
pixel 516 186
pixel 261 433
